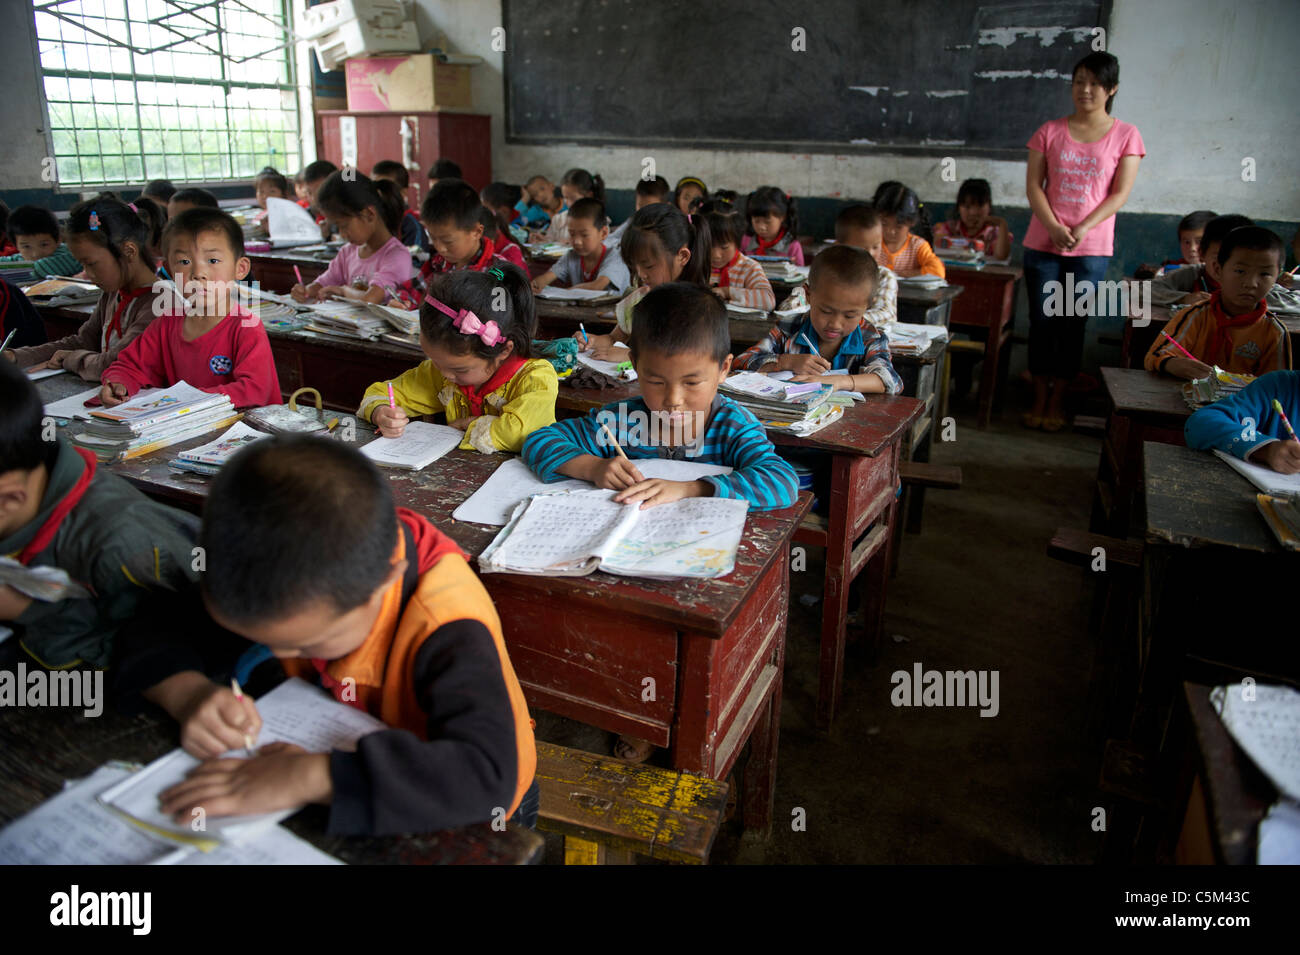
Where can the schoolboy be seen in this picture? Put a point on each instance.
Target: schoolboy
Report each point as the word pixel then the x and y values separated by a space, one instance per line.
pixel 591 263
pixel 211 341
pixel 59 509
pixel 35 233
pixel 831 335
pixel 1193 285
pixel 859 226
pixel 185 199
pixel 307 555
pixel 412 231
pixel 1247 425
pixel 1233 329
pixel 647 191
pixel 452 215
pixel 680 346
pixel 1190 229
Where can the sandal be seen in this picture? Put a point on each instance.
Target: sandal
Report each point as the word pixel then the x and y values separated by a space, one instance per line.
pixel 1030 420
pixel 1052 425
pixel 632 750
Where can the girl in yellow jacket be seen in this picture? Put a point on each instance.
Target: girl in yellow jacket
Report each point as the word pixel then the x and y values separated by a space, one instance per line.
pixel 475 328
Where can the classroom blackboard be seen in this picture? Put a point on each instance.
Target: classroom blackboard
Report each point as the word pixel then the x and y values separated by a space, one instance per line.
pixel 972 77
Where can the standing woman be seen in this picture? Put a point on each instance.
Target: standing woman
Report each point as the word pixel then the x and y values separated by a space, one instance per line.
pixel 1081 170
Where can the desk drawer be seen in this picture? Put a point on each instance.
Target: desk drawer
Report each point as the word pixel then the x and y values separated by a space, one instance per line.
pixel 872 482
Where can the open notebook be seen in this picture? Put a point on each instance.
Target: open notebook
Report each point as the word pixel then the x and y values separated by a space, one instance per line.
pixel 577 533
pixel 419 446
pixel 294 712
pixel 74 828
pixel 512 483
pixel 1266 479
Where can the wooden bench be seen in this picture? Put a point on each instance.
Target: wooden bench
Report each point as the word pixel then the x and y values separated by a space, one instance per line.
pixel 924 474
pixel 608 810
pixel 1074 545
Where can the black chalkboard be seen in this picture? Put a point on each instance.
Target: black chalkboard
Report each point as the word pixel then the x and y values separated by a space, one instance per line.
pixel 924 76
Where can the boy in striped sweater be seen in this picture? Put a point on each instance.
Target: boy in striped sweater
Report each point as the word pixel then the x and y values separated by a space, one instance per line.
pixel 35 232
pixel 681 348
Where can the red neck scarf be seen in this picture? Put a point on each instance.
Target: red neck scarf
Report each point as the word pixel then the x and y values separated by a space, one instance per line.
pixel 46 532
pixel 724 273
pixel 475 394
pixel 590 276
pixel 1223 321
pixel 488 249
pixel 764 245
pixel 124 298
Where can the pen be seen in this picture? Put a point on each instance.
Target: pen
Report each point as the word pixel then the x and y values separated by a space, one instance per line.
pixel 8 337
pixel 1277 406
pixel 614 441
pixel 809 343
pixel 582 328
pixel 239 695
pixel 298 272
pixel 1179 347
pixel 391 403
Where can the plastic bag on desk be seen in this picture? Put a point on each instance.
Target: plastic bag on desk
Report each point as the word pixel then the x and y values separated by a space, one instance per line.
pixel 562 353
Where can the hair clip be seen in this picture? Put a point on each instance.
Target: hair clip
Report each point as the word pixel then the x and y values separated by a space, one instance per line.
pixel 94 221
pixel 467 323
pixel 131 206
pixel 499 275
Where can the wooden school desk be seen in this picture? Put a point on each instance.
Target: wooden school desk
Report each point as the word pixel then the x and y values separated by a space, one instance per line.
pixel 561 320
pixel 40 747
pixel 274 271
pixel 582 646
pixel 865 447
pixel 986 309
pixel 1144 407
pixel 920 306
pixel 1214 576
pixel 1230 797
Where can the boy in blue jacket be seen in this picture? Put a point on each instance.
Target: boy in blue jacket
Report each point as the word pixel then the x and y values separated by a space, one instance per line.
pixel 1246 424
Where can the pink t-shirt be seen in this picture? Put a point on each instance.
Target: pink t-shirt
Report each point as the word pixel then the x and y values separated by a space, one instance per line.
pixel 1079 176
pixel 389 267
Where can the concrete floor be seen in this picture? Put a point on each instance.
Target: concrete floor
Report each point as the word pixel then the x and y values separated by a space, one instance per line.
pixel 975 591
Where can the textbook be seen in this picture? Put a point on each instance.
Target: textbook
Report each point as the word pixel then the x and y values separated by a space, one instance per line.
pixel 294 712
pixel 576 533
pixel 512 483
pixel 401 320
pixel 1266 479
pixel 587 296
pixel 216 453
pixel 909 339
pixel 773 400
pixel 152 421
pixel 73 828
pixel 148 411
pixel 349 320
pixel 61 291
pixel 419 446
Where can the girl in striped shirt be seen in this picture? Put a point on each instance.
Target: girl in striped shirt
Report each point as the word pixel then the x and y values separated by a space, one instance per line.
pixel 904 253
pixel 735 276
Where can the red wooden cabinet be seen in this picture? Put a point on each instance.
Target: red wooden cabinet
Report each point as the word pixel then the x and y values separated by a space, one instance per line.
pixel 465 138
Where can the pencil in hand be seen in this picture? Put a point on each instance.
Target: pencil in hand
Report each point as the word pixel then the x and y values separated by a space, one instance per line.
pixel 614 441
pixel 239 695
pixel 1286 423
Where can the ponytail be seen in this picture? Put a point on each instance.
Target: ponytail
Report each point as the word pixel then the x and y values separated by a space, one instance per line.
pixel 592 187
pixel 662 229
pixel 348 193
pixel 110 223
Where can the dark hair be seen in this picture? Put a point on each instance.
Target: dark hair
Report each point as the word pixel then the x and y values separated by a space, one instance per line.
pixel 1218 227
pixel 445 169
pixel 845 264
pixel 1252 238
pixel 477 292
pixel 860 215
pixel 657 187
pixel 277 180
pixel 883 188
pixel 293 520
pixel 589 209
pixel 501 194
pixel 191 222
pixel 1105 67
pixel 159 189
pixel 1196 221
pixel 21 447
pixel 452 200
pixel 897 200
pixel 33 220
pixel 4 219
pixel 976 191
pixel 155 215
pixel 664 228
pixel 391 169
pixel 676 318
pixel 591 187
pixel 197 197
pixel 769 201
pixel 491 227
pixel 691 181
pixel 318 170
pixel 725 222
pixel 117 223
pixel 343 196
pixel 728 196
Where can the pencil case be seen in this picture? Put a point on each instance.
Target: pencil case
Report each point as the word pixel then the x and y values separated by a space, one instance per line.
pixel 562 353
pixel 290 419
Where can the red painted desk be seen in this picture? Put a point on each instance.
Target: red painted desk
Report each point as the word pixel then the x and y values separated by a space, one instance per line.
pixel 582 646
pixel 986 308
pixel 865 447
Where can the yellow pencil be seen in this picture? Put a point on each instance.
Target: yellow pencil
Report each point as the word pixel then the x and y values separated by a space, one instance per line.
pixel 614 441
pixel 239 695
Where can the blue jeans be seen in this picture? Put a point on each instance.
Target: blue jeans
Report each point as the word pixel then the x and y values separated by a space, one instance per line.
pixel 1056 340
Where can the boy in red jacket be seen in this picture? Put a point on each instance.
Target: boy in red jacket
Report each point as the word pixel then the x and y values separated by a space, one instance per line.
pixel 210 342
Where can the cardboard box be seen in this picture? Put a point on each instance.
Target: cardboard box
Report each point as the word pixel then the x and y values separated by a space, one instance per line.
pixel 406 84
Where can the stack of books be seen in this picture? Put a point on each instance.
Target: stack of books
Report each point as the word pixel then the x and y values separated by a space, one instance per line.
pixel 778 268
pixel 208 458
pixel 60 291
pixel 158 420
pixel 346 320
pixel 802 407
pixel 403 324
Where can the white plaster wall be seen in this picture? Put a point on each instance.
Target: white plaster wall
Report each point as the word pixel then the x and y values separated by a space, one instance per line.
pixel 1207 83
